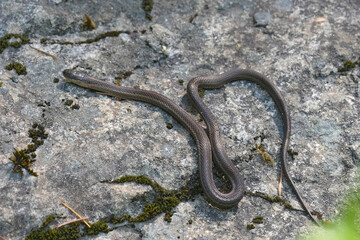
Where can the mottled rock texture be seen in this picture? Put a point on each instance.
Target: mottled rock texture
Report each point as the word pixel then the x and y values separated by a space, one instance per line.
pixel 300 50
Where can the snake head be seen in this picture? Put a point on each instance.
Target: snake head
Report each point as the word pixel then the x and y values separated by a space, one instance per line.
pixel 69 74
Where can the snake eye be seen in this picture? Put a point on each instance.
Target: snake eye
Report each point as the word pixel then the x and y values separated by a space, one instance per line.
pixel 71 75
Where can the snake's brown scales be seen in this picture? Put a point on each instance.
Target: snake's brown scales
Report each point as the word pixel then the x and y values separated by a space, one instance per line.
pixel 208 145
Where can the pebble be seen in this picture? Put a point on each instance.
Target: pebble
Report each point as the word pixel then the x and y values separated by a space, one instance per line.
pixel 262 19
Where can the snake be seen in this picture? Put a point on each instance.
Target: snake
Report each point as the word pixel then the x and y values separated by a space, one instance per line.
pixel 209 142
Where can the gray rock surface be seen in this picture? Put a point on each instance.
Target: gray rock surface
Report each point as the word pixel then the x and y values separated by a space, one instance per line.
pixel 262 19
pixel 106 138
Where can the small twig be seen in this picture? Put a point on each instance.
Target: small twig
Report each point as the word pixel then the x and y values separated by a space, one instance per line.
pixel 49 54
pixel 76 214
pixel 76 220
pixel 320 20
pixel 191 19
pixel 280 183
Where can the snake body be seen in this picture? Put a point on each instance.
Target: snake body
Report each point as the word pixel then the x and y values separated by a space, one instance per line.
pixel 209 145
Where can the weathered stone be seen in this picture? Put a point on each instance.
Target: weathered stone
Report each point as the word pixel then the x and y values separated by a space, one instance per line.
pixel 262 19
pixel 107 138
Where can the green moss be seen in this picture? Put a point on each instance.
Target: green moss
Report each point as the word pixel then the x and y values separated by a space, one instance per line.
pixel 161 205
pixel 88 23
pixel 147 6
pixel 92 40
pixel 1 83
pixel 288 205
pixel 75 106
pixel 68 232
pixel 292 153
pixel 142 180
pixel 148 16
pixel 44 40
pixel 37 134
pixel 23 159
pixel 260 149
pixel 56 80
pixel 4 41
pixel 97 228
pixel 151 210
pixel 181 82
pixel 258 220
pixel 68 102
pixel 19 68
pixel 165 201
pixel 169 126
pixel 201 93
pixel 267 158
pixel 102 36
pixel 124 75
pixel 148 44
pixel 250 226
pixel 348 65
pixel 275 199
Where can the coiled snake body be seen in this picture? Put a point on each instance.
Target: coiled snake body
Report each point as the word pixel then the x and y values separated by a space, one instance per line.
pixel 209 145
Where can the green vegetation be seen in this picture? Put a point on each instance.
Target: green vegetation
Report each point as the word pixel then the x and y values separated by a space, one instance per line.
pixel 250 226
pixel 347 225
pixel 23 160
pixel 44 40
pixel 277 199
pixel 258 220
pixel 88 23
pixel 97 228
pixel 260 149
pixel 147 6
pixel 124 75
pixel 75 106
pixel 292 153
pixel 165 201
pixel 5 43
pixel 68 232
pixel 99 37
pixel 69 102
pixel 201 93
pixel 19 68
pixel 348 65
pixel 26 157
